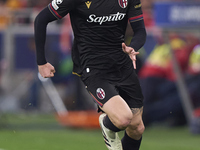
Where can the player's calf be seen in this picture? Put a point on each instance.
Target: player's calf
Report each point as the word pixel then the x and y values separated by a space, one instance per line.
pixel 133 135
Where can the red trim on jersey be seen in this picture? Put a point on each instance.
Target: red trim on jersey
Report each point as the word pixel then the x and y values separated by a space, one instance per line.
pixel 135 18
pixel 55 12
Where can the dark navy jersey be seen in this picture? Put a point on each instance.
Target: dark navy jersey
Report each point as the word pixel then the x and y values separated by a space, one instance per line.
pixel 99 28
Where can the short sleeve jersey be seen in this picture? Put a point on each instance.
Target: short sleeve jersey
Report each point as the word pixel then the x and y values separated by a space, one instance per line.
pixel 99 28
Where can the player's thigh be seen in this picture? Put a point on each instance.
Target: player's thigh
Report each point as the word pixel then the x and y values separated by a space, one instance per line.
pixel 107 98
pixel 118 111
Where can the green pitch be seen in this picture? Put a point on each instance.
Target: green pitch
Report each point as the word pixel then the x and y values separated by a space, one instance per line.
pixel 43 132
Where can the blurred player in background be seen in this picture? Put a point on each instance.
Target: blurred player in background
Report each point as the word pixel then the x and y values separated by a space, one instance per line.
pixel 103 61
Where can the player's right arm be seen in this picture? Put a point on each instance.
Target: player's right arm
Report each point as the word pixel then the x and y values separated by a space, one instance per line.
pixel 57 9
pixel 40 25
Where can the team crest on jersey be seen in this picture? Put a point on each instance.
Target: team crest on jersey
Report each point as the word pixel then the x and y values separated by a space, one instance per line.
pixel 123 3
pixel 100 93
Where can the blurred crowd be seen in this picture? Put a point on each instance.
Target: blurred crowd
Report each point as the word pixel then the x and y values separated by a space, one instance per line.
pixel 9 8
pixel 159 79
pixel 18 4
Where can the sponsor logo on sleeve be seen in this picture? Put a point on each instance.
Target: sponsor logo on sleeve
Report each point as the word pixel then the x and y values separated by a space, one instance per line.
pixel 55 4
pixel 59 1
pixel 138 6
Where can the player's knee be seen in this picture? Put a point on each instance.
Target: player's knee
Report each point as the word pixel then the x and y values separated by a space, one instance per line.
pixel 136 129
pixel 124 121
pixel 140 129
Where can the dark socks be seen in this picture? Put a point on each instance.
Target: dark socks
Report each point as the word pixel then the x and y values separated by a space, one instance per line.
pixel 129 143
pixel 108 124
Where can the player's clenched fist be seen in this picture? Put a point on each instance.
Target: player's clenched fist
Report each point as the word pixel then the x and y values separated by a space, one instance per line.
pixel 46 70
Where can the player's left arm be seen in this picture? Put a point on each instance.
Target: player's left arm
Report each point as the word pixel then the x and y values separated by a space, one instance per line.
pixel 139 36
pixel 137 41
pixel 135 17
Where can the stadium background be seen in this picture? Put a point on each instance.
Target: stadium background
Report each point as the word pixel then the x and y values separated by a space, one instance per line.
pixel 168 67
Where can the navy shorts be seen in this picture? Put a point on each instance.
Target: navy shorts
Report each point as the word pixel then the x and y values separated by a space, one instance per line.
pixel 103 87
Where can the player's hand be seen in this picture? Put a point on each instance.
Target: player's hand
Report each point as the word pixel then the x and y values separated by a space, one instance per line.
pixel 46 70
pixel 131 52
